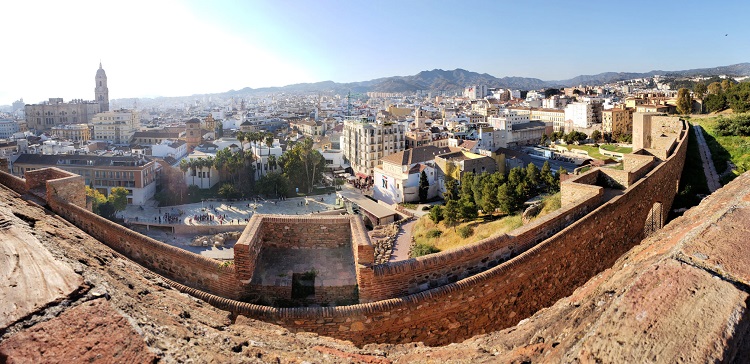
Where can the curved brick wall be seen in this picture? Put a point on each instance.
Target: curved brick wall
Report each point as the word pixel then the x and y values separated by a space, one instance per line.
pixel 493 299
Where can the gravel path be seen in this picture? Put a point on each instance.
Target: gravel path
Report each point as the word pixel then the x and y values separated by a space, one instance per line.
pixel 403 242
pixel 712 178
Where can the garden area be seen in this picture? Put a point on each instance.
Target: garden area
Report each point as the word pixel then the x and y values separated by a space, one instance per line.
pixel 483 205
pixel 728 138
pixel 593 151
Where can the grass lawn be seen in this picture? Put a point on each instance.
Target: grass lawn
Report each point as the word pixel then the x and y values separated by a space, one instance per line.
pixel 483 227
pixel 616 149
pixel 726 148
pixel 594 151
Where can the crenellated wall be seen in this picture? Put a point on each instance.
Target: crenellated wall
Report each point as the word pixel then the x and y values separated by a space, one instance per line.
pixel 515 274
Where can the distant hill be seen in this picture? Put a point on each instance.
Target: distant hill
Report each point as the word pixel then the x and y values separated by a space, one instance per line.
pixel 455 80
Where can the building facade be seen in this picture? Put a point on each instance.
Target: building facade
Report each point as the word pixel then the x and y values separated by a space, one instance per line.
pixel 135 173
pixel 8 128
pixel 365 142
pixel 617 121
pixel 72 132
pixel 116 127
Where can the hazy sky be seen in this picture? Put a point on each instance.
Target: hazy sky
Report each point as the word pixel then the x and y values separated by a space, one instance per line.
pixel 173 48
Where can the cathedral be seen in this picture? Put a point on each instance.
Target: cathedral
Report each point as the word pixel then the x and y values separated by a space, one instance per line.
pixel 42 117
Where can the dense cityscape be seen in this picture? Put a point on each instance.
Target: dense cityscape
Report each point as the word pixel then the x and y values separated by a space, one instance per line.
pixel 442 208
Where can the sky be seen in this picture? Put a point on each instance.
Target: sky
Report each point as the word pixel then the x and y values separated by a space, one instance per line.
pixel 178 48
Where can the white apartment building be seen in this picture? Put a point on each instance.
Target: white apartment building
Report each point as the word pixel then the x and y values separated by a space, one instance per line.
pixel 8 128
pixel 266 159
pixel 365 142
pixel 475 92
pixel 580 113
pixel 556 117
pixel 116 127
pixel 509 117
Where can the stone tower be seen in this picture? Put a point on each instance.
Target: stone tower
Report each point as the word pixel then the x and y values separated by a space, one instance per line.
pixel 101 91
pixel 193 133
pixel 210 123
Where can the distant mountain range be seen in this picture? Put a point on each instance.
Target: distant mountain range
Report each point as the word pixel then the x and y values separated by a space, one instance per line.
pixel 441 80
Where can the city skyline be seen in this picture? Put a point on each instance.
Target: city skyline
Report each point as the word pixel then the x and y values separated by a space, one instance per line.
pixel 179 48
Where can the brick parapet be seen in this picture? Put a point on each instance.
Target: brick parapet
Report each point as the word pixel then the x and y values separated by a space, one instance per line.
pixel 16 184
pixel 177 264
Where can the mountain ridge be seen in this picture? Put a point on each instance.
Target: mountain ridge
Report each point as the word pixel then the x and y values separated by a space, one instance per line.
pixel 457 79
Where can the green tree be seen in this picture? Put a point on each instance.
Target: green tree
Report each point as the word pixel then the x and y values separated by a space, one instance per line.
pixel 424 187
pixel 118 196
pixel 700 90
pixel 532 176
pixel 726 85
pixel 451 190
pixel 738 97
pixel 714 102
pixel 227 190
pixel 274 184
pixel 684 101
pixel 436 214
pixel 467 209
pixel 97 199
pixel 596 135
pixel 303 165
pixel 489 192
pixel 451 212
pixel 714 88
pixel 506 200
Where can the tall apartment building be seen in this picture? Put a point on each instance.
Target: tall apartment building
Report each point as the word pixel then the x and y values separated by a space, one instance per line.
pixel 617 121
pixel 580 113
pixel 474 92
pixel 42 117
pixel 116 127
pixel 72 132
pixel 8 128
pixel 136 173
pixel 556 117
pixel 509 117
pixel 365 142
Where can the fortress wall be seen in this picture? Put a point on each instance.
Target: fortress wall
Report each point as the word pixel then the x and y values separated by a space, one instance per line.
pixel 485 302
pixel 502 296
pixel 247 249
pixel 313 232
pixel 14 183
pixel 397 279
pixel 177 264
pixel 71 189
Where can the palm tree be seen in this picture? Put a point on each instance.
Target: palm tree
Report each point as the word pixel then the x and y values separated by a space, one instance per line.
pixel 269 141
pixel 184 166
pixel 241 136
pixel 271 162
pixel 208 163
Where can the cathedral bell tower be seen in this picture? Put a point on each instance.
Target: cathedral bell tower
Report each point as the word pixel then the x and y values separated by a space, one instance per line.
pixel 101 91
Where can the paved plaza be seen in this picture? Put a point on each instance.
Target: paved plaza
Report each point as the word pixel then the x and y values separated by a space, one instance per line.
pixel 213 213
pixel 226 212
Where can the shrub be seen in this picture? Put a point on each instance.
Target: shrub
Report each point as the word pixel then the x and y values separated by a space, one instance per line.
pixel 421 249
pixel 465 231
pixel 434 233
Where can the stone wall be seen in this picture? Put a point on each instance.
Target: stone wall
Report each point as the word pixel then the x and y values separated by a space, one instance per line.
pixel 315 232
pixel 380 282
pixel 14 183
pixel 177 264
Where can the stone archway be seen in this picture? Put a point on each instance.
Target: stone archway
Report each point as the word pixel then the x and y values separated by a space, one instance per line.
pixel 654 220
